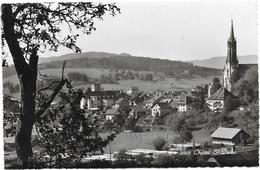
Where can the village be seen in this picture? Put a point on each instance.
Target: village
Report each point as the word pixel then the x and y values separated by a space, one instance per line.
pixel 137 111
pixel 160 94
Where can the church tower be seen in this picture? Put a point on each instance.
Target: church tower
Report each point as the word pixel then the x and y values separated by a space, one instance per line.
pixel 231 65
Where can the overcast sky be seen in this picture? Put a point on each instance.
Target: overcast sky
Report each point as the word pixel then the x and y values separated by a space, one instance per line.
pixel 176 30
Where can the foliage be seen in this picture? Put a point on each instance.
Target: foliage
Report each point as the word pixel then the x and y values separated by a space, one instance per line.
pixel 148 77
pixel 247 86
pixel 215 86
pixel 143 160
pixel 13 88
pixel 158 120
pixel 76 76
pixel 67 134
pixel 119 119
pixel 159 143
pixel 29 28
pixel 130 123
pixel 185 134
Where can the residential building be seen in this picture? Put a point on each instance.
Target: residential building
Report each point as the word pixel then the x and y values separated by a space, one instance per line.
pixel 182 103
pixel 120 103
pixel 110 113
pixel 216 100
pixel 161 109
pixel 230 137
pixel 152 101
pixel 138 111
pixel 98 98
pixel 132 90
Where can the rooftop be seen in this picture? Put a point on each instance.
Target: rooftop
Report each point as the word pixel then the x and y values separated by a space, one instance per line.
pixel 220 94
pixel 225 133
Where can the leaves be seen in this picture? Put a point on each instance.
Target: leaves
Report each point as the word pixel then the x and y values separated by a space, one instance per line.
pixel 66 130
pixel 38 25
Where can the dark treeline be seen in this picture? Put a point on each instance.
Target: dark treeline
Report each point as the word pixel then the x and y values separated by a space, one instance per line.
pixel 136 63
pixel 169 67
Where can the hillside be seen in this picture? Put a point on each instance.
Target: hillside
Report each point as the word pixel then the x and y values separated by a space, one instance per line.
pixel 218 62
pixel 174 69
pixel 91 54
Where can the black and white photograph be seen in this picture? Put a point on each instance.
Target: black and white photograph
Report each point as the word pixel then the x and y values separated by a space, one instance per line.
pixel 129 84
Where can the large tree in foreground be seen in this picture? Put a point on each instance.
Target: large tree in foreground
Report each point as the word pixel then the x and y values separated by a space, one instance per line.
pixel 30 28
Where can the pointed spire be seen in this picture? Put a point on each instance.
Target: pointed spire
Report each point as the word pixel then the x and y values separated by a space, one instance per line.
pixel 232 37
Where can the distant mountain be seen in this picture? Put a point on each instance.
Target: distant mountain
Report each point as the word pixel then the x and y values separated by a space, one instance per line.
pixel 218 62
pixel 91 54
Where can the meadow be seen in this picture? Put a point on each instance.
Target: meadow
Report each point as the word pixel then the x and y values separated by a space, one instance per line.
pixel 157 83
pixel 144 140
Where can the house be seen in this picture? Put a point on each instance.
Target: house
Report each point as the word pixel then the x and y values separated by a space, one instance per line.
pixel 149 103
pixel 161 109
pixel 120 103
pixel 110 113
pixel 96 98
pixel 230 137
pixel 216 100
pixel 138 111
pixel 181 103
pixel 132 90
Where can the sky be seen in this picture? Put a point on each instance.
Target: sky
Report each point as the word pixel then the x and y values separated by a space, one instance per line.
pixel 176 30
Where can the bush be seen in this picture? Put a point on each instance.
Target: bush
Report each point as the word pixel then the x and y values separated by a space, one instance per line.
pixel 138 129
pixel 163 160
pixel 159 143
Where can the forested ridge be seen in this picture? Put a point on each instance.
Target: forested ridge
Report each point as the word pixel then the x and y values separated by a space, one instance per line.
pixel 169 67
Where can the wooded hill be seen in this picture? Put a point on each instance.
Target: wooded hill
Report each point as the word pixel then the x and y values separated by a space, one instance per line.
pixel 127 62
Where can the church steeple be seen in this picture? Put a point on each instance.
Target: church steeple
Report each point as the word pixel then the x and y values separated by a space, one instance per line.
pixel 231 65
pixel 232 37
pixel 232 47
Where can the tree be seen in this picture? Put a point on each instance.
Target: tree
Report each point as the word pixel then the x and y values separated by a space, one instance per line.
pixel 130 123
pixel 159 143
pixel 216 85
pixel 67 134
pixel 148 77
pixel 30 28
pixel 185 134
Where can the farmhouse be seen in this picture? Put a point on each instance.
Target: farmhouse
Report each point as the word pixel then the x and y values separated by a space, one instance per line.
pixel 161 109
pixel 230 137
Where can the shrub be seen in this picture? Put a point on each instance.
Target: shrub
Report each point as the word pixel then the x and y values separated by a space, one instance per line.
pixel 159 143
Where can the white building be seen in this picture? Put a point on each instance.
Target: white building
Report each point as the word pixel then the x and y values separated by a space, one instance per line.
pixel 161 109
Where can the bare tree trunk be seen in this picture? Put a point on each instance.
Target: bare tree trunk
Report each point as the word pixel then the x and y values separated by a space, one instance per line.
pixel 23 136
pixel 27 74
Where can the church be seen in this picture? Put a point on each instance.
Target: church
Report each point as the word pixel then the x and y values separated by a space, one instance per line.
pixel 232 72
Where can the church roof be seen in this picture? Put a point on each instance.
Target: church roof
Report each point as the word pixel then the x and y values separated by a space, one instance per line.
pixel 220 94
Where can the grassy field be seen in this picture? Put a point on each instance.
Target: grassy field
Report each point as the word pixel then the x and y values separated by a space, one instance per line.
pixel 145 140
pixel 142 140
pixel 158 83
